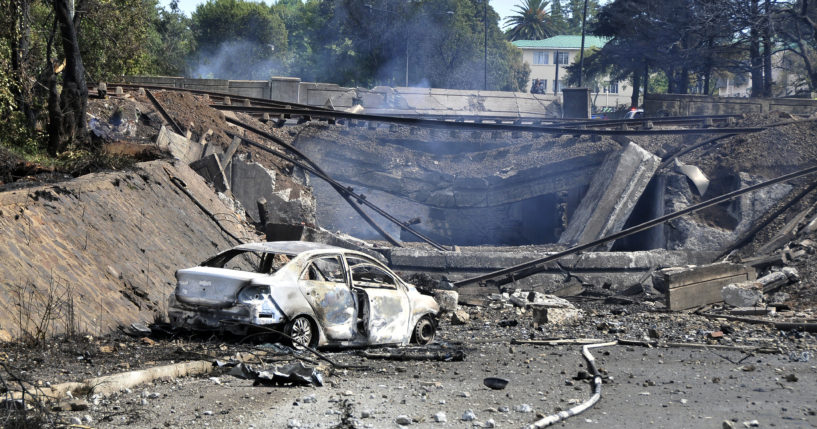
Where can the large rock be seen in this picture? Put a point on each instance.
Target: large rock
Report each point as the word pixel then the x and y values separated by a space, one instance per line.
pixel 543 314
pixel 447 299
pixel 744 294
pixel 460 317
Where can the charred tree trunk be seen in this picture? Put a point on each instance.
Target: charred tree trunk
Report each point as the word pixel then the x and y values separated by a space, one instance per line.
pixel 54 112
pixel 683 81
pixel 73 101
pixel 756 62
pixel 767 49
pixel 636 87
pixel 646 80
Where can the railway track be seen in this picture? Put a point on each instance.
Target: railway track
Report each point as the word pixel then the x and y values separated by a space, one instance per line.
pixel 282 111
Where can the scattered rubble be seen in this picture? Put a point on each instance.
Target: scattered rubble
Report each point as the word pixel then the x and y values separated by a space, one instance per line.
pixel 748 318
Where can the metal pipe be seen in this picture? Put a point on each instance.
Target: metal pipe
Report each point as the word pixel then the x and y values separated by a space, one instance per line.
pixel 581 51
pixel 584 406
pixel 526 269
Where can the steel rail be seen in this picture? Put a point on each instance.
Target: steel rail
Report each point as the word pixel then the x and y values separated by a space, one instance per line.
pixel 340 191
pixel 359 197
pixel 164 113
pixel 527 268
pixel 221 95
pixel 659 120
pixel 534 120
pixel 430 123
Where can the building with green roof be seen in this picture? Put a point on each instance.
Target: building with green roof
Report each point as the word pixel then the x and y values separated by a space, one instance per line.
pixel 548 57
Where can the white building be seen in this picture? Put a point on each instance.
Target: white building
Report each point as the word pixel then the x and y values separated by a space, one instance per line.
pixel 547 59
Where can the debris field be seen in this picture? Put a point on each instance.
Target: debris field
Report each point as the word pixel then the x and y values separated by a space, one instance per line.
pixel 707 319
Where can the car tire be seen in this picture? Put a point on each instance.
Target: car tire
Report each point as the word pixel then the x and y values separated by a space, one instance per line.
pixel 301 331
pixel 424 331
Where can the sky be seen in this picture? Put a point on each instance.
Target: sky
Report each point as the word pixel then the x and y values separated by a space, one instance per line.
pixel 503 7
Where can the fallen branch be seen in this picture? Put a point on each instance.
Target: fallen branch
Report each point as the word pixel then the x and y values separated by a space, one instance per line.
pixel 443 356
pixel 649 344
pixel 756 349
pixel 557 342
pixel 109 384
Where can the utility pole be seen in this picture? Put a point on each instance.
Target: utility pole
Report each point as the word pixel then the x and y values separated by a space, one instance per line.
pixel 485 34
pixel 581 53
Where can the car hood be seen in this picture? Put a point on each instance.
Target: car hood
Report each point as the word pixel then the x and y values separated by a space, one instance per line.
pixel 213 287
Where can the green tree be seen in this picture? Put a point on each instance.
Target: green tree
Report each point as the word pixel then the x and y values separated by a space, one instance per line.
pixel 174 39
pixel 237 39
pixel 118 37
pixel 376 42
pixel 574 12
pixel 531 21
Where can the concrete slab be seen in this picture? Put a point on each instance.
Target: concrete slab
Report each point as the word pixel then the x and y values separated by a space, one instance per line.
pixel 251 182
pixel 211 170
pixel 690 287
pixel 613 192
pixel 620 269
pixel 179 147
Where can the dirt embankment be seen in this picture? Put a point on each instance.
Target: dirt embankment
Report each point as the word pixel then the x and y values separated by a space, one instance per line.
pixel 101 250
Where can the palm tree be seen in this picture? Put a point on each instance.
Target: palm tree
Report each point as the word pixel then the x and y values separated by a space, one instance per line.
pixel 531 21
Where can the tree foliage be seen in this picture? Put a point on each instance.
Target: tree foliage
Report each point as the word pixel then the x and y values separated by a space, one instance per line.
pixel 237 39
pixel 531 21
pixel 686 40
pixel 391 42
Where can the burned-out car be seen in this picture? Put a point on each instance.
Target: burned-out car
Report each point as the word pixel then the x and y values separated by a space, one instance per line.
pixel 313 293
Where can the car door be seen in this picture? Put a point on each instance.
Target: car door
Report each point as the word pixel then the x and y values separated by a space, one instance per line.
pixel 323 281
pixel 388 305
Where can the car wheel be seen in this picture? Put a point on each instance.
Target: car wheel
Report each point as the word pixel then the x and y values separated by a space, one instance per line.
pixel 301 332
pixel 424 331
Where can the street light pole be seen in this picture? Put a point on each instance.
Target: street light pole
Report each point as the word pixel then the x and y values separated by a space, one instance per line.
pixel 485 34
pixel 581 53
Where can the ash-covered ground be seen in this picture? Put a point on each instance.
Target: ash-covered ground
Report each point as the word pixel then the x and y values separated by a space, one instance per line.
pixel 774 385
pixel 703 367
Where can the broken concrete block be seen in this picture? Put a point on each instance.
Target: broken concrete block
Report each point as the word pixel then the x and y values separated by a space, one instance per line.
pixel 752 311
pixel 227 156
pixel 287 202
pixel 690 287
pixel 447 299
pixel 612 195
pixel 522 298
pixel 745 294
pixel 792 274
pixel 179 147
pixel 211 170
pixel 773 281
pixel 543 314
pixel 460 317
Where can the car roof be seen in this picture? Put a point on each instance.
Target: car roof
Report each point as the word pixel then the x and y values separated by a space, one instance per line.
pixel 288 247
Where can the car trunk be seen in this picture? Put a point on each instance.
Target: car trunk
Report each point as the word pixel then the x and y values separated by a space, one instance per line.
pixel 211 287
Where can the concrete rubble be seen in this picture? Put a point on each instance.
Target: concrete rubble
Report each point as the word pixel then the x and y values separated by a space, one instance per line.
pixel 612 195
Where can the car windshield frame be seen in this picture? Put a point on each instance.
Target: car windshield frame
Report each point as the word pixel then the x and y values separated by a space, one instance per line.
pixel 265 266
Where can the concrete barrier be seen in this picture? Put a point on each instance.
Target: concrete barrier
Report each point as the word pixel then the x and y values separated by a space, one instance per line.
pixel 378 100
pixel 694 105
